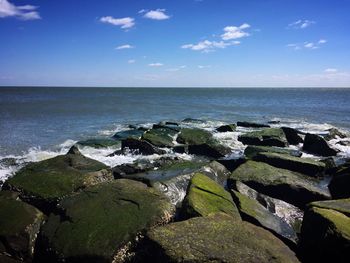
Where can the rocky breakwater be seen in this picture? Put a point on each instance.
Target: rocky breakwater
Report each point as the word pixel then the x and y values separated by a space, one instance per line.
pixel 195 200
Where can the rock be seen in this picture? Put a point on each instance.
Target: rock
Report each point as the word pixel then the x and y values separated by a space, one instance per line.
pixel 325 233
pixel 216 238
pixel 252 124
pixel 253 212
pixel 286 185
pixel 251 151
pixel 140 146
pixel 74 150
pixel 160 136
pixel 44 183
pixel 135 134
pixel 231 164
pixel 205 197
pixel 340 183
pixel 340 205
pixel 274 122
pixel 194 136
pixel 168 126
pixel 7 259
pixel 292 136
pixel 181 149
pixel 103 221
pixel 226 128
pixel 191 120
pixel 315 144
pixel 19 225
pixel 302 165
pixel 212 150
pixel 99 143
pixel 265 137
pixel 334 133
pixel 7 162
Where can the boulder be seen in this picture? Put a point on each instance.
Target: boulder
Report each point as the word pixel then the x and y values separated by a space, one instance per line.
pixel 291 187
pixel 160 136
pixel 292 136
pixel 99 143
pixel 231 164
pixel 102 222
pixel 211 149
pixel 140 147
pixel 334 133
pixel 265 137
pixel 44 183
pixel 226 128
pixel 325 232
pixel 252 151
pixel 302 165
pixel 194 136
pixel 339 185
pixel 19 225
pixel 253 212
pixel 135 133
pixel 191 120
pixel 167 125
pixel 315 144
pixel 252 124
pixel 205 197
pixel 340 205
pixel 216 238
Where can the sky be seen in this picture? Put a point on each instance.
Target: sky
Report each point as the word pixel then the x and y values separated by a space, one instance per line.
pixel 175 43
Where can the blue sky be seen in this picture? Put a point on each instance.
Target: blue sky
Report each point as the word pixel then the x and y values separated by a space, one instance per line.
pixel 175 43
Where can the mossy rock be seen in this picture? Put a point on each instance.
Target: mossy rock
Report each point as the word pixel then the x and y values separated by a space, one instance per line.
pixel 99 143
pixel 99 222
pixel 251 151
pixel 340 205
pixel 205 197
pixel 140 147
pixel 194 136
pixel 252 124
pixel 44 183
pixel 253 212
pixel 334 133
pixel 325 235
pixel 227 128
pixel 160 137
pixel 212 149
pixel 216 238
pixel 265 137
pixel 135 133
pixel 286 185
pixel 306 166
pixel 19 225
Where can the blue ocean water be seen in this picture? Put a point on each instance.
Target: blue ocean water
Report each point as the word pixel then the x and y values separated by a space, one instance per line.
pixel 47 116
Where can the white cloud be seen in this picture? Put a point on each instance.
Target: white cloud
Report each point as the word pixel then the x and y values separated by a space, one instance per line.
pixel 124 23
pixel 131 61
pixel 25 12
pixel 176 69
pixel 301 24
pixel 127 46
pixel 142 11
pixel 157 64
pixel 310 45
pixel 234 32
pixel 202 67
pixel 331 70
pixel 207 46
pixel 158 14
pixel 307 45
pixel 322 41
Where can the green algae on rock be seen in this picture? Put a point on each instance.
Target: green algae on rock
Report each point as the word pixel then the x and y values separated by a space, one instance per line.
pixel 252 150
pixel 99 143
pixel 265 137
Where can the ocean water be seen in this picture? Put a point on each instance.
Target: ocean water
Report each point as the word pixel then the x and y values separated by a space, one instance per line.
pixel 41 122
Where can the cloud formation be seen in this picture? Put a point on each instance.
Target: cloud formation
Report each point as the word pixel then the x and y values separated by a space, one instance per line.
pixel 208 46
pixel 157 64
pixel 234 32
pixel 176 69
pixel 331 70
pixel 124 23
pixel 127 46
pixel 307 45
pixel 301 24
pixel 24 12
pixel 158 14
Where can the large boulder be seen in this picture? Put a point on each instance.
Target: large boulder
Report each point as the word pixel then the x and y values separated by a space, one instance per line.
pixel 211 149
pixel 265 137
pixel 134 133
pixel 292 136
pixel 252 151
pixel 205 197
pixel 289 186
pixel 216 238
pixel 325 235
pixel 99 143
pixel 302 165
pixel 102 222
pixel 334 133
pixel 315 144
pixel 255 213
pixel 340 183
pixel 44 183
pixel 140 147
pixel 194 136
pixel 160 136
pixel 252 124
pixel 19 225
pixel 226 128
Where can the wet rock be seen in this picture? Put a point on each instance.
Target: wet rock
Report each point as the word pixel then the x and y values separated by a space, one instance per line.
pixel 99 143
pixel 19 225
pixel 340 205
pixel 205 197
pixel 135 133
pixel 226 128
pixel 292 136
pixel 140 146
pixel 344 143
pixel 44 183
pixel 325 235
pixel 274 122
pixel 210 149
pixel 191 120
pixel 252 124
pixel 181 149
pixel 161 136
pixel 231 164
pixel 291 187
pixel 103 221
pixel 265 137
pixel 340 183
pixel 315 144
pixel 251 151
pixel 173 126
pixel 216 238
pixel 194 136
pixel 334 133
pixel 302 165
pixel 253 212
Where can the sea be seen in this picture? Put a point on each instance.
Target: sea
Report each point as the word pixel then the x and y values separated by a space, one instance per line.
pixel 37 123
